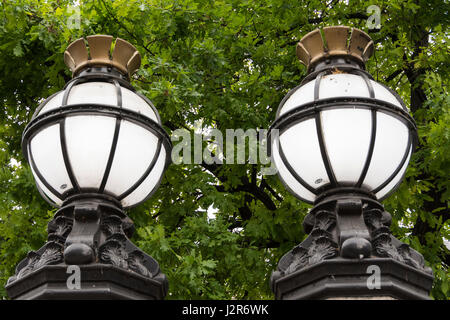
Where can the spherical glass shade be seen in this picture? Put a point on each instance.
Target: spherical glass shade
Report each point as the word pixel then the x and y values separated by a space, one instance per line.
pixel 342 130
pixel 97 136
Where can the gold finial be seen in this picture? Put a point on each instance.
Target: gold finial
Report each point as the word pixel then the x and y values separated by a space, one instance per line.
pixel 125 57
pixel 311 49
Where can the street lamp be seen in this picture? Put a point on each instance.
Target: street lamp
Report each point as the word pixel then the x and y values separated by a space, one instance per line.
pixel 95 148
pixel 342 141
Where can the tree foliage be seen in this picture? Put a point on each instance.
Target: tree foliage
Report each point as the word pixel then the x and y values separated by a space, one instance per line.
pixel 227 63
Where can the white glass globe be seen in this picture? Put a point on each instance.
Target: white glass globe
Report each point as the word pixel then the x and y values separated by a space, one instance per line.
pixel 341 134
pixel 107 143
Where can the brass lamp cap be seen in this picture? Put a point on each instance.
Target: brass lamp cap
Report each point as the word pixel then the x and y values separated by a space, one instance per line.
pixel 313 49
pixel 125 57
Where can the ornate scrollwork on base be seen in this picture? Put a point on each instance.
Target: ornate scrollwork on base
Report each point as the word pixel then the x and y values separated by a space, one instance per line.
pixel 136 260
pixel 114 250
pixel 320 245
pixel 353 228
pixel 59 228
pixel 386 245
pixel 95 230
pixel 51 253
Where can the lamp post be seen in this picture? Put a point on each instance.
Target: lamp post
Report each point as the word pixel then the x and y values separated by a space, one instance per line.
pixel 95 148
pixel 343 143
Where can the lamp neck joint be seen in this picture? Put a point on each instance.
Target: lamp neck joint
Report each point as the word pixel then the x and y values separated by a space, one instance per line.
pixel 101 74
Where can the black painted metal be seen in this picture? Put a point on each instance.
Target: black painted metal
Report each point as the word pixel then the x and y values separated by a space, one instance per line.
pixel 41 178
pixel 395 187
pixel 313 109
pixel 115 138
pixel 146 173
pixel 102 74
pixel 286 97
pixel 397 96
pixel 329 70
pixel 348 232
pixel 62 136
pixel 323 150
pixel 334 194
pixel 399 167
pixel 309 110
pixel 348 279
pixel 348 228
pixel 373 132
pixel 65 154
pixel 100 282
pixel 90 231
pixel 104 199
pixel 68 88
pixel 275 139
pixel 354 237
pixel 111 155
pixel 58 116
pixel 347 68
pixel 53 116
pixel 336 61
pixel 292 171
pixel 150 104
pixel 373 135
pixel 368 83
pixel 42 105
pixel 317 82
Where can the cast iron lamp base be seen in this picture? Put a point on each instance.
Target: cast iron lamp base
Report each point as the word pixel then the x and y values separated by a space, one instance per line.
pixel 90 231
pixel 349 238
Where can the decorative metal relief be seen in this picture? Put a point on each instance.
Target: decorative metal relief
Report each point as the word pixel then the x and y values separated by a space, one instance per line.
pixel 59 228
pixel 52 253
pixel 114 250
pixel 319 246
pixel 108 241
pixel 328 229
pixel 386 245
